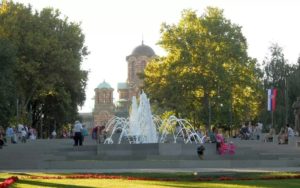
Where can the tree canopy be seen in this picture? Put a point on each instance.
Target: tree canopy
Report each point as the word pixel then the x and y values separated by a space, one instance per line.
pixel 49 49
pixel 207 74
pixel 7 90
pixel 279 74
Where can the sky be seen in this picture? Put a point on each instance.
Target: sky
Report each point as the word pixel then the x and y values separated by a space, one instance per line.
pixel 113 28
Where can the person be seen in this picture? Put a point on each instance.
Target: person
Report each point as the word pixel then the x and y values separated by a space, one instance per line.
pixel 222 147
pixel 290 131
pixel 23 135
pixel 244 132
pixel 282 136
pixel 10 134
pixel 259 129
pixel 77 133
pixel 2 133
pixel 94 132
pixel 200 151
pixel 212 135
pixel 269 137
pixel 27 131
pixel 100 134
pixel 65 133
pixel 296 107
pixel 251 131
pixel 20 127
pixel 84 132
pixel 32 133
pixel 1 141
pixel 219 139
pixel 53 134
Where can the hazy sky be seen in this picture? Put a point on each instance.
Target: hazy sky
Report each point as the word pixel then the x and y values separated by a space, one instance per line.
pixel 113 28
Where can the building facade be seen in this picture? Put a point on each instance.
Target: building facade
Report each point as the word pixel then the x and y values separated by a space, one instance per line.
pixel 105 108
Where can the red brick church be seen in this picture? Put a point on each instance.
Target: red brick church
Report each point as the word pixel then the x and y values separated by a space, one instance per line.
pixel 104 107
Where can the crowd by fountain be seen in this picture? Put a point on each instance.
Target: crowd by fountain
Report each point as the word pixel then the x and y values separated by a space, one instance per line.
pixel 142 127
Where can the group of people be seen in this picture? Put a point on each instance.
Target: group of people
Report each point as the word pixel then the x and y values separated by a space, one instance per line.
pixel 284 134
pixel 79 132
pixel 222 146
pixel 20 133
pixel 251 132
pixel 99 133
pixel 254 132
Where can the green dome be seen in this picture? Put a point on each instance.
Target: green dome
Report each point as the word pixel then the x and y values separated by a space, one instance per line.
pixel 104 85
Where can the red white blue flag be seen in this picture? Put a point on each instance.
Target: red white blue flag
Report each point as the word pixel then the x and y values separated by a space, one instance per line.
pixel 272 93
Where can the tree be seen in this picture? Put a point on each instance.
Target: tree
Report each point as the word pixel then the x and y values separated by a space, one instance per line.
pixel 207 74
pixel 49 51
pixel 293 88
pixel 277 71
pixel 7 90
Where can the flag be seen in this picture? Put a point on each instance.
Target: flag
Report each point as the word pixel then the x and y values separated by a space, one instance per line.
pixel 272 93
pixel 269 99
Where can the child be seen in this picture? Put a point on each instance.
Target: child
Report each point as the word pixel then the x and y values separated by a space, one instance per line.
pixel 200 151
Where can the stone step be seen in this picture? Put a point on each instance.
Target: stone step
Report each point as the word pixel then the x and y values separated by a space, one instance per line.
pixel 60 154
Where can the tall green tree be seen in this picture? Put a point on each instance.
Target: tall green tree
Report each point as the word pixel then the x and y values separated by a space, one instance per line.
pixel 276 75
pixel 207 74
pixel 7 90
pixel 49 50
pixel 293 90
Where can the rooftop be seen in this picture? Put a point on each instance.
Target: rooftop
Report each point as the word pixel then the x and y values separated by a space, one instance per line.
pixel 143 50
pixel 104 85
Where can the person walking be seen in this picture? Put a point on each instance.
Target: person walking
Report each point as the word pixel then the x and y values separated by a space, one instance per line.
pixel 77 133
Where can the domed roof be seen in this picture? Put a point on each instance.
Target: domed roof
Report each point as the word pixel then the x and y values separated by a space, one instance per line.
pixel 143 50
pixel 104 85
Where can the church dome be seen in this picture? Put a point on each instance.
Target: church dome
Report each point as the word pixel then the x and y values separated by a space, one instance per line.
pixel 143 50
pixel 104 85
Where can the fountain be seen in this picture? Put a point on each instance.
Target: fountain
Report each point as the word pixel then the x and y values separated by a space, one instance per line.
pixel 142 127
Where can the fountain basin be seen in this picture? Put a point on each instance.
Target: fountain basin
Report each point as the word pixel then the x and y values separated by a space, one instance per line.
pixel 151 151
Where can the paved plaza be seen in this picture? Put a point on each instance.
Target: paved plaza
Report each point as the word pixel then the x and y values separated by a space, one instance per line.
pixel 59 155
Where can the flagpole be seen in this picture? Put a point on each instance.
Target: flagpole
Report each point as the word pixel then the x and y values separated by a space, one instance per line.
pixel 272 119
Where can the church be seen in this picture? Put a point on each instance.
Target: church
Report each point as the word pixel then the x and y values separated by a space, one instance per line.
pixel 104 107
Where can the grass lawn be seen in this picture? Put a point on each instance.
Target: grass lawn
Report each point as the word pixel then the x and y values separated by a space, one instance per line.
pixel 159 180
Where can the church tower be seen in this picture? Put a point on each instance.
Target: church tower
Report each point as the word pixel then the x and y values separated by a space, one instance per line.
pixel 104 106
pixel 136 63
